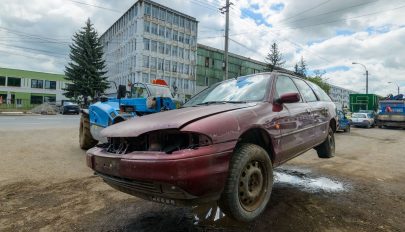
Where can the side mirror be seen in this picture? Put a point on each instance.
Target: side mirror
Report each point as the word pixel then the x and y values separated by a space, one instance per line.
pixel 288 98
pixel 122 91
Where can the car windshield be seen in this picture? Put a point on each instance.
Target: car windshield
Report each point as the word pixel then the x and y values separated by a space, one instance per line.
pixel 358 116
pixel 68 104
pixel 242 89
pixel 160 91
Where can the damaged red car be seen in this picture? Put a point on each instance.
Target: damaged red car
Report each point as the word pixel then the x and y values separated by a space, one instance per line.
pixel 222 145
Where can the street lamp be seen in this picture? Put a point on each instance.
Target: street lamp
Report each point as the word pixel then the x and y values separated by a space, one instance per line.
pixel 366 75
pixel 390 82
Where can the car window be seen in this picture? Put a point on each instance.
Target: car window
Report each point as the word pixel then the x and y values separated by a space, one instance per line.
pixel 305 90
pixel 285 85
pixel 139 91
pixel 319 91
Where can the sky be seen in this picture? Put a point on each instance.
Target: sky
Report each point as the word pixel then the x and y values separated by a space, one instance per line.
pixel 329 34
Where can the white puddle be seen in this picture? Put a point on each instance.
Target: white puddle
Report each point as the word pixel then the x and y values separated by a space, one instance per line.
pixel 298 178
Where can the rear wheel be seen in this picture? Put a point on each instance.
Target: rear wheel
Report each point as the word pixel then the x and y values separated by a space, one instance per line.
pixel 85 138
pixel 248 187
pixel 327 148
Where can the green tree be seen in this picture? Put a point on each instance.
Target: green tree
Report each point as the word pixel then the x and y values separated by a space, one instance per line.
pixel 317 79
pixel 274 58
pixel 300 68
pixel 85 71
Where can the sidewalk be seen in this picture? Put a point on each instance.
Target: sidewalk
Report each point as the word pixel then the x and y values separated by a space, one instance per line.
pixel 17 113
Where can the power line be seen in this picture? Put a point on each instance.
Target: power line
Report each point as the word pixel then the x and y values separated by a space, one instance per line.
pixel 96 6
pixel 32 57
pixel 305 11
pixel 33 49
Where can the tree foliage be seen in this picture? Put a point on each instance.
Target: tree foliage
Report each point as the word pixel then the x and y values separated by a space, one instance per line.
pixel 301 67
pixel 85 71
pixel 274 58
pixel 317 79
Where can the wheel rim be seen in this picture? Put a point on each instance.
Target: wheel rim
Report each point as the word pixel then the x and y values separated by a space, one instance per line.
pixel 331 139
pixel 252 185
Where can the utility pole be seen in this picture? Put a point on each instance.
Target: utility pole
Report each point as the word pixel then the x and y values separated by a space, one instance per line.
pixel 365 68
pixel 225 10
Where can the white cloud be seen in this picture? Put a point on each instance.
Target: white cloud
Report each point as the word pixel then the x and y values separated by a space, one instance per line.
pixel 328 34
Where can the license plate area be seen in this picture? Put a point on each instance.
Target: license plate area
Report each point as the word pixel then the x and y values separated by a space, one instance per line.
pixel 107 165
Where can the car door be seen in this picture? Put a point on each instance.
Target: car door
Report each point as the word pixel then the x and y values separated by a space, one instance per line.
pixel 295 121
pixel 319 111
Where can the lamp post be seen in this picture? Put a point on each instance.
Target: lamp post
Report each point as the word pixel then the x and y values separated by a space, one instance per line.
pixel 366 75
pixel 390 82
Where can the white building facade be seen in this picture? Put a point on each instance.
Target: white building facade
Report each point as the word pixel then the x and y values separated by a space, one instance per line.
pixel 340 95
pixel 151 41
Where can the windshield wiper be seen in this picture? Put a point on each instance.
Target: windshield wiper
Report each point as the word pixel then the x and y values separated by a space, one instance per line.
pixel 220 102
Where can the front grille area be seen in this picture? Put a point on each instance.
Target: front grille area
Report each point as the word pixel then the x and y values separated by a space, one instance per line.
pixel 141 186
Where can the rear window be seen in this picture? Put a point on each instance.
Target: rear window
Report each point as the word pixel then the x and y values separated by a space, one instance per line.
pixel 319 92
pixel 359 116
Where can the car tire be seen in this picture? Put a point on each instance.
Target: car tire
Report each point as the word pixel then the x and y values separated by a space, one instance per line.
pixel 85 139
pixel 327 148
pixel 248 187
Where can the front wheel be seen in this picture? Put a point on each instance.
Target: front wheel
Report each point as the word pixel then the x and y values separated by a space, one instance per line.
pixel 85 138
pixel 248 187
pixel 327 148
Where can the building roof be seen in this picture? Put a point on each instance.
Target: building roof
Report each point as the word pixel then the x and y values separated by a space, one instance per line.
pixel 231 54
pixel 31 74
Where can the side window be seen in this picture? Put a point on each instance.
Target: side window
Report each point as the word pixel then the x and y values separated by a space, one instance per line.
pixel 321 94
pixel 139 91
pixel 285 85
pixel 305 90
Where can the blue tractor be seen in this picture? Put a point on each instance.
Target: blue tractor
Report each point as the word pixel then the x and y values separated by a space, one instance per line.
pixel 142 99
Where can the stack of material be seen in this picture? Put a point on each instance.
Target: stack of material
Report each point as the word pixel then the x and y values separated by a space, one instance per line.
pixel 45 108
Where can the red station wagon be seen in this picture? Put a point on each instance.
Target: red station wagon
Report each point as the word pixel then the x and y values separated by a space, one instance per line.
pixel 222 145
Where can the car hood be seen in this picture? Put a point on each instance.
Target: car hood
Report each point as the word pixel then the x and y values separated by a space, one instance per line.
pixel 173 119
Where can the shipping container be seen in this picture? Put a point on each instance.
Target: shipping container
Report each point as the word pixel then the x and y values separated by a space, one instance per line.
pixel 363 102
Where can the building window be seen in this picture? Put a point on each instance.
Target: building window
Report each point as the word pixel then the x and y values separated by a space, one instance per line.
pixel 161 48
pixel 161 31
pixel 186 54
pixel 154 28
pixel 145 78
pixel 154 46
pixel 167 65
pixel 160 64
pixel 168 49
pixel 187 39
pixel 169 17
pixel 181 21
pixel 174 66
pixel 181 37
pixel 49 99
pixel 180 69
pixel 185 84
pixel 153 62
pixel 181 53
pixel 37 100
pixel 186 69
pixel 146 61
pixel 146 27
pixel 168 33
pixel 155 12
pixel 2 81
pixel 50 84
pixel 175 19
pixel 175 35
pixel 207 62
pixel 187 24
pixel 146 44
pixel 14 82
pixel 174 51
pixel 162 14
pixel 147 9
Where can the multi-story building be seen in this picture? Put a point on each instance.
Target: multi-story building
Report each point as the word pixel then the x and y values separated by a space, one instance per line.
pixel 23 89
pixel 210 66
pixel 340 95
pixel 151 41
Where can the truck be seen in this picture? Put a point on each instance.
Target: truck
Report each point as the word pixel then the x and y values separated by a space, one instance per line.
pixel 141 99
pixel 363 102
pixel 391 113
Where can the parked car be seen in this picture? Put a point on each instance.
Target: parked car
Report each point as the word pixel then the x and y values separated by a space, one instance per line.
pixel 362 120
pixel 344 122
pixel 69 108
pixel 222 145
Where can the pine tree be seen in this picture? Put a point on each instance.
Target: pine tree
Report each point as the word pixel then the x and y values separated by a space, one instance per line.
pixel 274 58
pixel 85 71
pixel 296 69
pixel 302 67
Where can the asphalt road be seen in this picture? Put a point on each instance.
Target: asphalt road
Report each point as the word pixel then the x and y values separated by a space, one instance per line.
pixel 38 122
